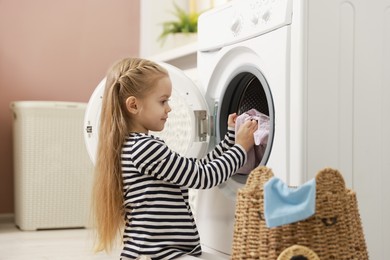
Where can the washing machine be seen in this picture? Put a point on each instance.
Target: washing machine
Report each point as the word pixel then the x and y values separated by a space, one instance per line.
pixel 244 63
pixel 316 68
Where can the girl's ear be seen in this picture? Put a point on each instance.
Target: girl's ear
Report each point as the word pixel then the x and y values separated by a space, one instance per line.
pixel 131 105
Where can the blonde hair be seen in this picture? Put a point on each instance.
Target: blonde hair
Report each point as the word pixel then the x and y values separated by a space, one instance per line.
pixel 128 77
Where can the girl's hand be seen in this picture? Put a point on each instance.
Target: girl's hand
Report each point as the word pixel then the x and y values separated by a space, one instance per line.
pixel 244 135
pixel 232 120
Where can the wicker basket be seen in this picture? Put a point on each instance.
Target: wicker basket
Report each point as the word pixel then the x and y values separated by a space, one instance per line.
pixel 334 232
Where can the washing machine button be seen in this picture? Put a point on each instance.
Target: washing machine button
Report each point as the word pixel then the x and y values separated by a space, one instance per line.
pixel 266 16
pixel 236 25
pixel 254 18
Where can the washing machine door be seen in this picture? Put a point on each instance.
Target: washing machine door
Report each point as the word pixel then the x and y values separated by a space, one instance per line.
pixel 186 130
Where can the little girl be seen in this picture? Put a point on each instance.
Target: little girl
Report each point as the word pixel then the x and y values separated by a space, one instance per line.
pixel 141 186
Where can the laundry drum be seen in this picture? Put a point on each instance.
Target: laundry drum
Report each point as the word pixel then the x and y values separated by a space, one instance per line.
pixel 244 92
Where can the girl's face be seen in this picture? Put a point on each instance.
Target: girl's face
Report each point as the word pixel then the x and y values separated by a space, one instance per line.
pixel 151 111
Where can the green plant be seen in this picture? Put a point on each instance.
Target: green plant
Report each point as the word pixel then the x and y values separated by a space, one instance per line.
pixel 185 23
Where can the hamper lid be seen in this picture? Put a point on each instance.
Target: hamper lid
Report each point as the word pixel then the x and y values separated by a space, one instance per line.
pixel 46 104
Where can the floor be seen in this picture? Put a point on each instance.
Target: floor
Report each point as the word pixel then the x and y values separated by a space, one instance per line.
pixel 64 244
pixel 75 244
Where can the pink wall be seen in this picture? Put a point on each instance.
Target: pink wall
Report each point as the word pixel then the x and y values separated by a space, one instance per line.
pixel 57 50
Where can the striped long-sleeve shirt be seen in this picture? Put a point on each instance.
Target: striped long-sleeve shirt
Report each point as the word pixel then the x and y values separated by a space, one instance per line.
pixel 159 221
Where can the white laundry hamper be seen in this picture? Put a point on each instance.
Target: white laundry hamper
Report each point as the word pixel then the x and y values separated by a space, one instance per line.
pixel 52 169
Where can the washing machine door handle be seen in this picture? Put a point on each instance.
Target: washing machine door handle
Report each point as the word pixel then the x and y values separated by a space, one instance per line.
pixel 202 125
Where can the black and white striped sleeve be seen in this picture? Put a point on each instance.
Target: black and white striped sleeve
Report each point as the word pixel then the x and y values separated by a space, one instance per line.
pixel 222 147
pixel 152 157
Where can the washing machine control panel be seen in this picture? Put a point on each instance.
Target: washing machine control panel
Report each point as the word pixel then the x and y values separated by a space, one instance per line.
pixel 240 20
pixel 252 14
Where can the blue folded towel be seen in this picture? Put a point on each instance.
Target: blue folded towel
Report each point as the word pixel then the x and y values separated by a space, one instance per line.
pixel 285 205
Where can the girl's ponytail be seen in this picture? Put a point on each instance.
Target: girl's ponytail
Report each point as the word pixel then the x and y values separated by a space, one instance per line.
pixel 128 77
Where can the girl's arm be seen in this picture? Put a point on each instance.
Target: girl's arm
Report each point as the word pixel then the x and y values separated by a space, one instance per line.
pixel 222 147
pixel 152 157
pixel 226 143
